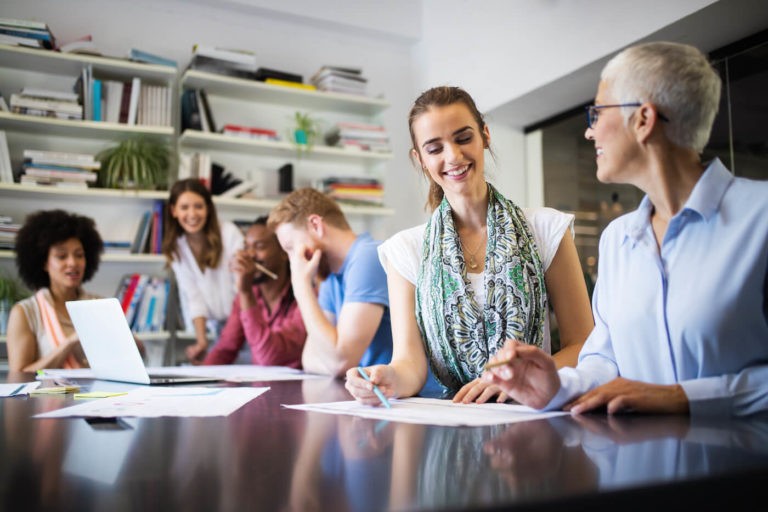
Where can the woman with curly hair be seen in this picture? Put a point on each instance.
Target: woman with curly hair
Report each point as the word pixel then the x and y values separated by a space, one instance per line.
pixel 199 249
pixel 56 252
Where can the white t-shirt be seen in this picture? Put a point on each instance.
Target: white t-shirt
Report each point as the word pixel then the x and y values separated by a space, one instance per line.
pixel 207 293
pixel 403 250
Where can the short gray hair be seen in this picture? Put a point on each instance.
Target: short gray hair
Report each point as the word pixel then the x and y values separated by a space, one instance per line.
pixel 678 79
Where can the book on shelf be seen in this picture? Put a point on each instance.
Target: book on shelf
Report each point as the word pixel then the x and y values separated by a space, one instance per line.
pixel 288 83
pixel 125 102
pixel 262 74
pixel 250 132
pixel 133 106
pixel 204 124
pixel 218 67
pixel 82 46
pixel 96 95
pixel 150 58
pixel 52 182
pixel 49 94
pixel 83 160
pixel 245 58
pixel 358 136
pixel 195 165
pixel 112 91
pixel 340 79
pixel 206 112
pixel 144 299
pixel 62 106
pixel 364 191
pixel 239 190
pixel 59 173
pixel 13 22
pixel 3 104
pixel 45 37
pixel 6 171
pixel 142 233
pixel 190 111
pixel 20 41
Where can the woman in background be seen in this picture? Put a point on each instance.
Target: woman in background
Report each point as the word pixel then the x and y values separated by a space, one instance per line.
pixel 56 252
pixel 198 249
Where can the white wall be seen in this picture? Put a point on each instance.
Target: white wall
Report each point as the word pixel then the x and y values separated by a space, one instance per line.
pixel 286 38
pixel 526 60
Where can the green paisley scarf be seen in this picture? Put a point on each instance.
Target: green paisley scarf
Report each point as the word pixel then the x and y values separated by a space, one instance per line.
pixel 459 338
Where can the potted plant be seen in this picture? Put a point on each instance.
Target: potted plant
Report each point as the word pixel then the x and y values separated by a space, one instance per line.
pixel 135 163
pixel 306 131
pixel 11 291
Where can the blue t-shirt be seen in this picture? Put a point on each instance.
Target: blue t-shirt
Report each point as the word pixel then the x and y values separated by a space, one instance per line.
pixel 361 279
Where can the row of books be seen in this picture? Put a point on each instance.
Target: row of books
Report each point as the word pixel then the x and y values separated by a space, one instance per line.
pixel 8 230
pixel 196 111
pixel 59 168
pixel 359 136
pixel 144 299
pixel 133 102
pixel 34 34
pixel 363 191
pixel 196 165
pixel 149 234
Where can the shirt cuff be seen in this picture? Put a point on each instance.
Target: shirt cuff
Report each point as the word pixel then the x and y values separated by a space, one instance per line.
pixel 568 390
pixel 705 397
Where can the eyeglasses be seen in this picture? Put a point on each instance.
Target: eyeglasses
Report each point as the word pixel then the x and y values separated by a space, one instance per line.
pixel 594 110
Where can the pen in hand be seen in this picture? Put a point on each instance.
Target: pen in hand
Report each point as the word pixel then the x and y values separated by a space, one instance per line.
pixel 496 364
pixel 376 389
pixel 264 269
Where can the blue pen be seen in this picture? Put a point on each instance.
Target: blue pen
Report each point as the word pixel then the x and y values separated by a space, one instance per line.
pixel 376 389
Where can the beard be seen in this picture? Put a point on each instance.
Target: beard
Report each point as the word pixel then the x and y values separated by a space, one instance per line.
pixel 323 268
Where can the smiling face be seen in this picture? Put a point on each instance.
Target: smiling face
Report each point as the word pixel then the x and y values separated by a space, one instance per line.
pixel 450 147
pixel 262 247
pixel 191 212
pixel 616 149
pixel 66 264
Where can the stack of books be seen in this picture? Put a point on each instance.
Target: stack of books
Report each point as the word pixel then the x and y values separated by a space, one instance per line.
pixel 224 61
pixel 34 34
pixel 359 136
pixel 250 132
pixel 137 55
pixel 196 165
pixel 8 232
pixel 144 299
pixel 363 191
pixel 46 103
pixel 59 169
pixel 337 79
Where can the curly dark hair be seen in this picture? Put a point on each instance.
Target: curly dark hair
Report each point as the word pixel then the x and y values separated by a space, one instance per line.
pixel 41 230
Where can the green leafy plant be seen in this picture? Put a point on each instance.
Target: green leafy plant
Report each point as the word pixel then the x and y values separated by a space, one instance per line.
pixel 11 289
pixel 135 163
pixel 306 130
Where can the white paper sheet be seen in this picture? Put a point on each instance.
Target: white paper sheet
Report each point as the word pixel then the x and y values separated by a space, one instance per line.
pixel 154 402
pixel 229 372
pixel 433 411
pixel 17 388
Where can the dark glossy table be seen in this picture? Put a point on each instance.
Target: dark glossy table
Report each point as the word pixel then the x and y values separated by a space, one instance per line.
pixel 266 457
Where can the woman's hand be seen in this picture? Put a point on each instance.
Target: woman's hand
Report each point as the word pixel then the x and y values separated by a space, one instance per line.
pixel 480 391
pixel 382 375
pixel 196 353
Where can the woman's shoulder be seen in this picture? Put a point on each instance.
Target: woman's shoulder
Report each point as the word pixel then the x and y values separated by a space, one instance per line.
pixel 409 236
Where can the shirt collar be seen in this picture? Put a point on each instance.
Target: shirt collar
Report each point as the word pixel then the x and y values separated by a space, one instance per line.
pixel 705 198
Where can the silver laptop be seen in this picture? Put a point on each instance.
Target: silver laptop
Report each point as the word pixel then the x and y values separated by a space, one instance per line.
pixel 108 344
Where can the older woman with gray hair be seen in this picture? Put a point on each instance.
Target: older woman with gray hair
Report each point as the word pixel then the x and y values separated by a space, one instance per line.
pixel 681 320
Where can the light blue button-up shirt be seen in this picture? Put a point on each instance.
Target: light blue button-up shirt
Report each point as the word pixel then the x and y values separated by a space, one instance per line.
pixel 693 312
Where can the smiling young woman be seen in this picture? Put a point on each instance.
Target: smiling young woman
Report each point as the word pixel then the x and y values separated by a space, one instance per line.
pixel 199 249
pixel 479 272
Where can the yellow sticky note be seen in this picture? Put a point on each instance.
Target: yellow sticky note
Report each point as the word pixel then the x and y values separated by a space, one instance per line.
pixel 99 394
pixel 55 390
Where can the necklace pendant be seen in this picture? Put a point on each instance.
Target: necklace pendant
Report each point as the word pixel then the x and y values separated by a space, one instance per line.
pixel 472 263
